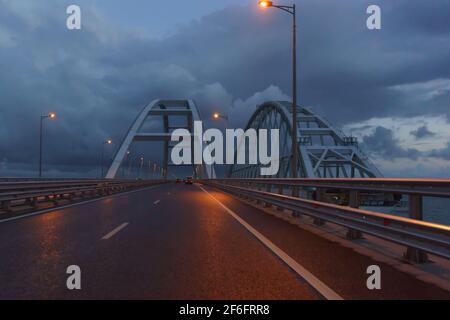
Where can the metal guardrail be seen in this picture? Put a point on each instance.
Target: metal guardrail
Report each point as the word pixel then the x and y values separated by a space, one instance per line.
pixel 31 193
pixel 419 236
pixel 424 187
pixel 21 179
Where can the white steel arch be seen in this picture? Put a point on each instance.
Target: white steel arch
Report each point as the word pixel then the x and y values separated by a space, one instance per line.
pixel 324 152
pixel 164 108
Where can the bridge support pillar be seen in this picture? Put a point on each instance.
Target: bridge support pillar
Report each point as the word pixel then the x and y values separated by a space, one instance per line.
pixel 354 203
pixel 416 212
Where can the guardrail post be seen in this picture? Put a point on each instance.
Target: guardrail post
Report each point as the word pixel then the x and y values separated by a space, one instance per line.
pixel 318 196
pixel 258 187
pixel 295 194
pixel 268 189
pixel 239 184
pixel 353 234
pixel 416 212
pixel 249 185
pixel 34 202
pixel 6 205
pixel 280 191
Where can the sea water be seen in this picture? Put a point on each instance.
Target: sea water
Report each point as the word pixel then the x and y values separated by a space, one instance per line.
pixel 435 210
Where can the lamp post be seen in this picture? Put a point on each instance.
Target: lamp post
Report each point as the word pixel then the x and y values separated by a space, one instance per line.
pixel 51 116
pixel 106 142
pixel 291 10
pixel 218 116
pixel 124 174
pixel 141 164
pixel 150 175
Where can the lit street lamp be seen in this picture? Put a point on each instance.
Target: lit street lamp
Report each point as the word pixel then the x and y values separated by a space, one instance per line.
pixel 106 142
pixel 51 116
pixel 291 10
pixel 218 116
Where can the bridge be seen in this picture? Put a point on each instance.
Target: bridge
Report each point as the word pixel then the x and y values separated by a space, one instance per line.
pixel 239 237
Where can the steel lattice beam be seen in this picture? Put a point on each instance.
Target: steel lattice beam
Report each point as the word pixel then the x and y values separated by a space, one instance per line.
pixel 324 152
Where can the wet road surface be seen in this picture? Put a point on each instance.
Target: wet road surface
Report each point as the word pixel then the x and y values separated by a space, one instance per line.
pixel 176 241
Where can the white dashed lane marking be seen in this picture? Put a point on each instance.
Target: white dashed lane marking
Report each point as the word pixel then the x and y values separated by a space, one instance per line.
pixel 115 231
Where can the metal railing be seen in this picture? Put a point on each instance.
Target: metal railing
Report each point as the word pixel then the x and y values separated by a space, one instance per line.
pixel 420 237
pixel 28 194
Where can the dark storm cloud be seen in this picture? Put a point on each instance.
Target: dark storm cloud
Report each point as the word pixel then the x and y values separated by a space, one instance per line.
pixel 99 78
pixel 441 153
pixel 422 132
pixel 382 143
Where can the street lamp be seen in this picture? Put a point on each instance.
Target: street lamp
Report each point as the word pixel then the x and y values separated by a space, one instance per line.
pixel 51 116
pixel 265 3
pixel 291 10
pixel 106 142
pixel 218 116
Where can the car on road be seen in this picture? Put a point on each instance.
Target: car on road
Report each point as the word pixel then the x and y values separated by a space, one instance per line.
pixel 188 180
pixel 178 180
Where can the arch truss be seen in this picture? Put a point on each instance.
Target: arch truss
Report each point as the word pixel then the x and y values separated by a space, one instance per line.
pixel 165 109
pixel 324 152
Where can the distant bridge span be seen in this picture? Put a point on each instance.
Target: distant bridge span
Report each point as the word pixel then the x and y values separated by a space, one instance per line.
pixel 324 151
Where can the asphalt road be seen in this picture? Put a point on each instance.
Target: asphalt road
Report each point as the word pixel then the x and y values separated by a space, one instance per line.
pixel 176 242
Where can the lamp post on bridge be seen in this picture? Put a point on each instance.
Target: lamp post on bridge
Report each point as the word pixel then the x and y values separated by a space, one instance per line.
pixel 291 10
pixel 217 116
pixel 51 116
pixel 124 166
pixel 106 142
pixel 140 166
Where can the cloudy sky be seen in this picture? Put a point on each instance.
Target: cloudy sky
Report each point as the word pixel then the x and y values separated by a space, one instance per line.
pixel 390 87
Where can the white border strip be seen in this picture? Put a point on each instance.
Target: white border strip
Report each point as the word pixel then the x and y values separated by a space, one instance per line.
pixel 322 288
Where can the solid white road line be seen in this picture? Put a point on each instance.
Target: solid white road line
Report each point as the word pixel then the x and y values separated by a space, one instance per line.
pixel 156 202
pixel 75 204
pixel 115 231
pixel 322 288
